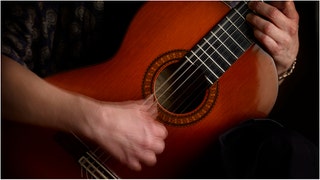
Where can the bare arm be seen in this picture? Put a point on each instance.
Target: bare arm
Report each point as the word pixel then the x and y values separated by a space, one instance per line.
pixel 27 98
pixel 126 129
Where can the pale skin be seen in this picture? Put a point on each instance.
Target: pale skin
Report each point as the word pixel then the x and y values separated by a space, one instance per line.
pixel 276 28
pixel 128 130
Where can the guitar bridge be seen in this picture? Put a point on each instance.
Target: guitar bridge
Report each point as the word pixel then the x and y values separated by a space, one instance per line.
pixel 93 168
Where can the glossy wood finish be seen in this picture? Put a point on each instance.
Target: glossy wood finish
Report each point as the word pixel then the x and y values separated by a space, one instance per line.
pixel 247 90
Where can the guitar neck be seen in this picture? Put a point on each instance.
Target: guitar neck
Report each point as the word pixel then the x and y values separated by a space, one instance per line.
pixel 224 44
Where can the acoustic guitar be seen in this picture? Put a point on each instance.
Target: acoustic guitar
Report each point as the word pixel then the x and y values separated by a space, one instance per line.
pixel 200 62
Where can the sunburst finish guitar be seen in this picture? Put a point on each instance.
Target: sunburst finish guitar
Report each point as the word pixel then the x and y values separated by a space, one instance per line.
pixel 200 62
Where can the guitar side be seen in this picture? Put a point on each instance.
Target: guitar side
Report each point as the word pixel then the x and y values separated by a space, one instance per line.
pixel 247 90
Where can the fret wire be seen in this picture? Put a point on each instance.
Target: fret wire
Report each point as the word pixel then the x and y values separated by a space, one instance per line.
pixel 231 37
pixel 210 76
pixel 208 79
pixel 241 15
pixel 223 45
pixel 198 57
pixel 238 29
pixel 247 42
pixel 189 60
pixel 224 58
pixel 240 8
pixel 243 26
pixel 204 64
pixel 230 34
pixel 212 59
pixel 231 15
pixel 194 52
pixel 238 40
pixel 220 61
pixel 237 11
pixel 224 64
pixel 222 28
pixel 218 65
pixel 236 50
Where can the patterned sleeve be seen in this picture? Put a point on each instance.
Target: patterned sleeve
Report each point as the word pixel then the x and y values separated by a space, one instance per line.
pixel 23 26
pixel 50 36
pixel 17 32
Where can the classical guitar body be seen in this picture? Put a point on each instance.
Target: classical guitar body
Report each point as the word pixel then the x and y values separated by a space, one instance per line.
pixel 159 39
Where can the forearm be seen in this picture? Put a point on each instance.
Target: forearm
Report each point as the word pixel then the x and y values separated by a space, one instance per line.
pixel 28 98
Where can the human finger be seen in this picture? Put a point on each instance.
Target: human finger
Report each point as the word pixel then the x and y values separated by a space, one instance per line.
pixel 265 28
pixel 159 130
pixel 134 164
pixel 266 40
pixel 287 8
pixel 269 13
pixel 147 157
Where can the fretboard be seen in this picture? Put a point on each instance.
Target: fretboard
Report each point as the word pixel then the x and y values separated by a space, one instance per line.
pixel 223 45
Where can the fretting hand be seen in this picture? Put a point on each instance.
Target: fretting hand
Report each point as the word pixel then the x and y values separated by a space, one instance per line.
pixel 275 25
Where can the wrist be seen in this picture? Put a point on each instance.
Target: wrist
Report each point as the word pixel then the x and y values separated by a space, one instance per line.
pixel 288 72
pixel 87 111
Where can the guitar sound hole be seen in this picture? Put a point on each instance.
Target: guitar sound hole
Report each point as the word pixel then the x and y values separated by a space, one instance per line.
pixel 180 89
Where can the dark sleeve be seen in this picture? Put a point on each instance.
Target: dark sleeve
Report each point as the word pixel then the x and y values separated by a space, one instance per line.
pixel 27 32
pixel 17 31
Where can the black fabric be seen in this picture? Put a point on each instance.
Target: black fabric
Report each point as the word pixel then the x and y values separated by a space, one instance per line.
pixel 259 149
pixel 50 37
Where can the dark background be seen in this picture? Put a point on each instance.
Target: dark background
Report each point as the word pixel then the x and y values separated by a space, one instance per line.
pixel 297 106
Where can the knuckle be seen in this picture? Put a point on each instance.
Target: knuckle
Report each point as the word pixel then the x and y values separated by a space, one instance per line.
pixel 152 160
pixel 267 28
pixel 147 142
pixel 286 40
pixel 273 13
pixel 148 157
pixel 255 5
pixel 293 30
pixel 159 147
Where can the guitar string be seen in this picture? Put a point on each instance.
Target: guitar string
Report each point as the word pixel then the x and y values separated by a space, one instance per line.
pixel 199 94
pixel 154 94
pixel 225 32
pixel 170 79
pixel 202 90
pixel 198 76
pixel 180 94
pixel 187 68
pixel 176 72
